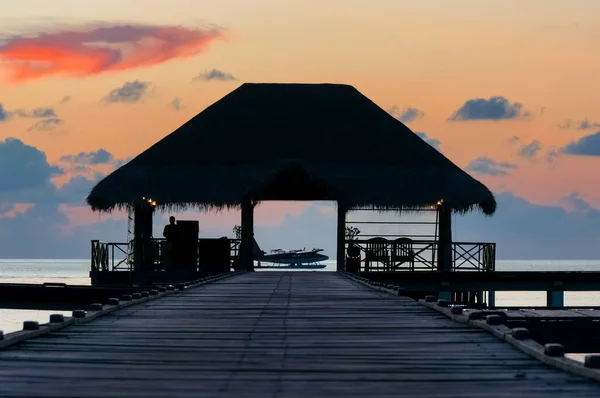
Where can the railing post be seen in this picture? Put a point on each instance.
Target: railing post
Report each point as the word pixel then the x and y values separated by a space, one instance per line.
pixel 104 251
pixel 94 267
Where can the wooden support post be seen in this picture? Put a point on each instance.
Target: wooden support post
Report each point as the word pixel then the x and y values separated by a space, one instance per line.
pixel 556 297
pixel 444 253
pixel 142 235
pixel 247 244
pixel 341 237
pixel 491 301
pixel 445 293
pixel 445 296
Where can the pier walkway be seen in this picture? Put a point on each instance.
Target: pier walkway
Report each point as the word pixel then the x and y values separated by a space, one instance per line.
pixel 277 334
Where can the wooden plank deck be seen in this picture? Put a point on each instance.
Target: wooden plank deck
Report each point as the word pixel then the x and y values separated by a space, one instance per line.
pixel 276 334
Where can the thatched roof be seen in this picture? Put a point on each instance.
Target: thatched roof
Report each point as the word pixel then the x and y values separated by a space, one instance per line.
pixel 292 141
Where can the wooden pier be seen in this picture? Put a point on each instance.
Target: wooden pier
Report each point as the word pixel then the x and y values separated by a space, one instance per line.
pixel 276 334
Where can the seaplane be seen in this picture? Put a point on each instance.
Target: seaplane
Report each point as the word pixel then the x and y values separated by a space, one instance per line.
pixel 297 259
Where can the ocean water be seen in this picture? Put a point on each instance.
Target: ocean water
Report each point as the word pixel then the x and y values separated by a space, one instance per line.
pixel 75 272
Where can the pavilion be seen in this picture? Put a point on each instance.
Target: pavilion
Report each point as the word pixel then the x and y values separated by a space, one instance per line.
pixel 292 142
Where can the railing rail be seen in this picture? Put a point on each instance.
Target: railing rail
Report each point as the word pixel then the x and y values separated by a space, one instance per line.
pixel 381 254
pixel 118 256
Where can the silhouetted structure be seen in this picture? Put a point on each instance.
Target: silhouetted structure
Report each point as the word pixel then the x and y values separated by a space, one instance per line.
pixel 339 146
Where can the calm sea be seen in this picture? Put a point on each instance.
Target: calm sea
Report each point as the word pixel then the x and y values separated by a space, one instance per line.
pixel 75 272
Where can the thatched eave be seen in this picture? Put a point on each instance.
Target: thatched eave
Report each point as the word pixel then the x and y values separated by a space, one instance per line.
pixel 357 187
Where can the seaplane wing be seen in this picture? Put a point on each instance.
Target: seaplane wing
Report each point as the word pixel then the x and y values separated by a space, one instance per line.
pixel 290 257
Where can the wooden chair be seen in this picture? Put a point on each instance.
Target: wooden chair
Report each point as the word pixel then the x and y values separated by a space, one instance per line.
pixel 402 252
pixel 353 258
pixel 377 251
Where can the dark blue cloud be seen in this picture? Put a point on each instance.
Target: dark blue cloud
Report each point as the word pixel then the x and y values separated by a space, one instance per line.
pixel 176 104
pixel 101 156
pixel 576 202
pixel 40 232
pixel 77 189
pixel 579 125
pixel 36 113
pixel 43 113
pixel 431 141
pixel 587 125
pixel 494 108
pixel 530 150
pixel 552 154
pixel 48 117
pixel 24 171
pixel 585 146
pixel 3 114
pixel 488 166
pixel 215 74
pixel 26 177
pixel 130 92
pixel 523 230
pixel 47 124
pixel 407 114
pixel 122 162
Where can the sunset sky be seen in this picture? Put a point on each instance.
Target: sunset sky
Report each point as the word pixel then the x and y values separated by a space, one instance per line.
pixel 507 90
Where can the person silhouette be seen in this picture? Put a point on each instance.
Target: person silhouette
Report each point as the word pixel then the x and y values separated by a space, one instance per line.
pixel 170 250
pixel 170 230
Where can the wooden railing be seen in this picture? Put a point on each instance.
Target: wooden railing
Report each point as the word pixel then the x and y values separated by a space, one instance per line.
pixel 118 256
pixel 376 254
pixel 110 256
pixel 403 254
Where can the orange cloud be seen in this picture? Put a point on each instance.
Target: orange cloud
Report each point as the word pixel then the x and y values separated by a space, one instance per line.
pixel 100 49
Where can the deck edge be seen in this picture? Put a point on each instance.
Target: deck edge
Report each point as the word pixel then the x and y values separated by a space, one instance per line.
pixel 528 346
pixel 502 332
pixel 19 336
